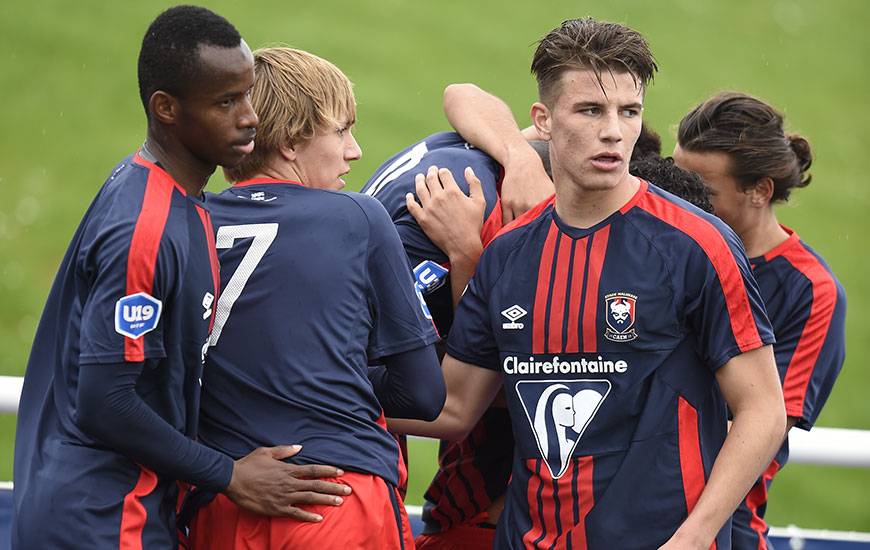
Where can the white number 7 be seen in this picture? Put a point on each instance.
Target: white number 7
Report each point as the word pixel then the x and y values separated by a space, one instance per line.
pixel 263 234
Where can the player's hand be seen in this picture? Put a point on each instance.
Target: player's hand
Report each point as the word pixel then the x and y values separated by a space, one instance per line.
pixel 449 218
pixel 262 483
pixel 525 184
pixel 683 539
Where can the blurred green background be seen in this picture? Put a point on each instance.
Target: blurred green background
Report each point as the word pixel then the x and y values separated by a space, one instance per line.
pixel 70 110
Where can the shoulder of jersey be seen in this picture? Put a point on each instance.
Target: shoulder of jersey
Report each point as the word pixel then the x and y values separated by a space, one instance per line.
pixel 527 219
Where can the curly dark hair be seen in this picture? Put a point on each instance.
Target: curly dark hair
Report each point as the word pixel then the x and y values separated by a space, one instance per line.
pixel 673 179
pixel 169 58
pixel 751 133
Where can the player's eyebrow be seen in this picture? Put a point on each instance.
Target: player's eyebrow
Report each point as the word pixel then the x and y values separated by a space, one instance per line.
pixel 633 105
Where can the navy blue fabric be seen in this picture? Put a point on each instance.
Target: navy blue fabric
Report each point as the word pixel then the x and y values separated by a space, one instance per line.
pixel 71 485
pixel 331 293
pixel 410 384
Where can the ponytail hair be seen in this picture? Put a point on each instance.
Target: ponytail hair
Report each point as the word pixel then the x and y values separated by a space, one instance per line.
pixel 751 133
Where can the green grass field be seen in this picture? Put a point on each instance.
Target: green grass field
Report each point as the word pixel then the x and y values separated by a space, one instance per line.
pixel 70 111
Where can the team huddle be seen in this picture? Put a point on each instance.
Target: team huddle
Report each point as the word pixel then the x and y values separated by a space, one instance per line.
pixel 610 345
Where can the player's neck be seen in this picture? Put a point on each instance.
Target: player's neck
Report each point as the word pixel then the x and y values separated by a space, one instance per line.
pixel 765 235
pixel 277 168
pixel 584 208
pixel 187 170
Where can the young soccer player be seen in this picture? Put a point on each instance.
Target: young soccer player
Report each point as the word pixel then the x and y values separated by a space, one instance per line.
pixel 611 314
pixel 465 497
pixel 111 392
pixel 315 287
pixel 738 145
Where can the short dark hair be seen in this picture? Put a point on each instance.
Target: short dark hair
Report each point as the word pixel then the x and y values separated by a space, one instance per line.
pixel 665 174
pixel 751 133
pixel 590 44
pixel 169 58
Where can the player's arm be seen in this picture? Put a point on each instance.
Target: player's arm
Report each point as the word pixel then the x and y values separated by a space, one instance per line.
pixel 451 220
pixel 488 123
pixel 470 390
pixel 750 384
pixel 110 409
pixel 410 384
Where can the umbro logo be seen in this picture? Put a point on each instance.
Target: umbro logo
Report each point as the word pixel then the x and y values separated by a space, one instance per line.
pixel 513 314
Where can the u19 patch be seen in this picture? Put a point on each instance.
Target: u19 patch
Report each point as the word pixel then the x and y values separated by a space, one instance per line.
pixel 137 314
pixel 429 276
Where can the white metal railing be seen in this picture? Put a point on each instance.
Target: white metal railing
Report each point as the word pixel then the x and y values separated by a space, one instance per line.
pixel 822 446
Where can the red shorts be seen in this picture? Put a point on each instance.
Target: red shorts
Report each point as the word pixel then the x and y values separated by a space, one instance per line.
pixel 372 517
pixel 460 537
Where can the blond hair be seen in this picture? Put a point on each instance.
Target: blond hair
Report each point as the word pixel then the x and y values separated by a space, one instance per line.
pixel 295 94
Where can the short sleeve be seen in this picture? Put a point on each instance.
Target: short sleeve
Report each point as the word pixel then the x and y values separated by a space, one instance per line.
pixel 471 338
pixel 401 320
pixel 811 346
pixel 129 284
pixel 724 308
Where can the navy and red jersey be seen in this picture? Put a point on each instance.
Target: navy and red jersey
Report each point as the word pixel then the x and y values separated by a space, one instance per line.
pixel 807 308
pixel 137 284
pixel 314 288
pixel 608 339
pixel 475 471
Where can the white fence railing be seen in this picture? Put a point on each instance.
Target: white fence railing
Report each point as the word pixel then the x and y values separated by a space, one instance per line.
pixel 822 446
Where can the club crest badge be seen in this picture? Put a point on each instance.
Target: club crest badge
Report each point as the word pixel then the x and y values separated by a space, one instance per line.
pixel 621 313
pixel 559 411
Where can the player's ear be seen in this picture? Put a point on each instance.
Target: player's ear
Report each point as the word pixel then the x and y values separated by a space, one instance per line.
pixel 164 107
pixel 762 192
pixel 288 152
pixel 541 119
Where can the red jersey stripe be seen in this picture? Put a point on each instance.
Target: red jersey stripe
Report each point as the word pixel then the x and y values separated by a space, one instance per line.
pixel 756 498
pixel 743 325
pixel 134 515
pixel 542 292
pixel 142 257
pixel 213 259
pixel 534 533
pixel 812 339
pixel 593 277
pixel 557 303
pixel 586 500
pixel 548 509
pixel 575 296
pixel 265 181
pixel 530 216
pixel 691 462
pixel 492 225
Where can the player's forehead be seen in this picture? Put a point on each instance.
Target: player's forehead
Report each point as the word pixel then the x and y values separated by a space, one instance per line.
pixel 221 69
pixel 604 87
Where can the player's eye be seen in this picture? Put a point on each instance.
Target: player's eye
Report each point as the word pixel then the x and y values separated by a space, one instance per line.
pixel 227 102
pixel 631 112
pixel 592 111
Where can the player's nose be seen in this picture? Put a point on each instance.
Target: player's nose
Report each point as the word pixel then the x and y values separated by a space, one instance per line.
pixel 353 150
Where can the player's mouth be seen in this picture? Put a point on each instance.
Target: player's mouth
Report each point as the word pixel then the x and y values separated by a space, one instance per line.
pixel 341 178
pixel 245 146
pixel 607 162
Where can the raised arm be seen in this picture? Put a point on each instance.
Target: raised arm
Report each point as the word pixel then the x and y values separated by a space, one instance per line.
pixel 750 385
pixel 488 124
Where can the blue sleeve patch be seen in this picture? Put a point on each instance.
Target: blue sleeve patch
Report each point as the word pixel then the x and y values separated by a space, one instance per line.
pixel 429 276
pixel 137 314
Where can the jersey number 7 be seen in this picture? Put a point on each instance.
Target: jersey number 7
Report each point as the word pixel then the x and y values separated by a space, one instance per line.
pixel 263 234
